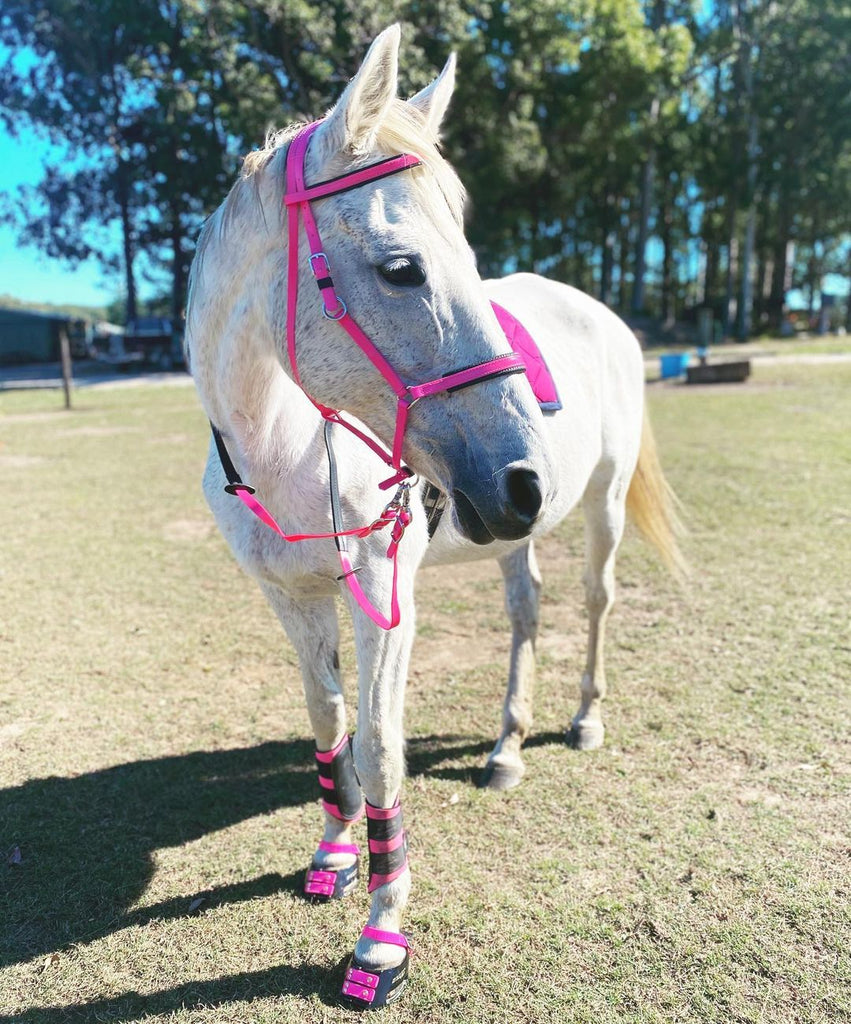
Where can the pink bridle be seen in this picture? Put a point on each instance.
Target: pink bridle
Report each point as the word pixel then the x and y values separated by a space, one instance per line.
pixel 297 200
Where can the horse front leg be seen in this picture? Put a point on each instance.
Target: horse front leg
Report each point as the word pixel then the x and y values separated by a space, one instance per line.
pixel 522 578
pixel 378 971
pixel 313 631
pixel 603 505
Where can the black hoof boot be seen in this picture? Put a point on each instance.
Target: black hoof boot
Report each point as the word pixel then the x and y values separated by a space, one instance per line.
pixel 364 988
pixel 368 989
pixel 322 886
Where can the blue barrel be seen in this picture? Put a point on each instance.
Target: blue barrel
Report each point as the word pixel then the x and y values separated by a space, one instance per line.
pixel 675 365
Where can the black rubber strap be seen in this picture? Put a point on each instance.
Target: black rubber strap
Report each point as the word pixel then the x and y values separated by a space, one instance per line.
pixel 387 863
pixel 487 376
pixel 234 480
pixel 336 505
pixel 383 829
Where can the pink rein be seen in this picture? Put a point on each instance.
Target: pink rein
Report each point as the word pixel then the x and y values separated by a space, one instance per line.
pixel 297 200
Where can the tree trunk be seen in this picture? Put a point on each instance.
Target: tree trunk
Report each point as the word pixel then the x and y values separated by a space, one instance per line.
pixel 848 308
pixel 647 177
pixel 606 267
pixel 780 272
pixel 747 57
pixel 178 269
pixel 729 317
pixel 668 301
pixel 123 192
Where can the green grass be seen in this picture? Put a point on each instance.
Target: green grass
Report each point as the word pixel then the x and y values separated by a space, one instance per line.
pixel 154 747
pixel 797 345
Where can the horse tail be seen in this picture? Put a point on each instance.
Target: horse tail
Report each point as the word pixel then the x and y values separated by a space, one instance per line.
pixel 652 504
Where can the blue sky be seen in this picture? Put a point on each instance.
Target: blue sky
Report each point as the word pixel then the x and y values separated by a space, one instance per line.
pixel 25 272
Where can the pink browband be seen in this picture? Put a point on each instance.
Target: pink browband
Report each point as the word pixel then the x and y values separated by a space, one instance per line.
pixel 297 200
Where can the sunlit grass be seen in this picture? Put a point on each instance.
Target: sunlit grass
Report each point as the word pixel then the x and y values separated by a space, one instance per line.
pixel 155 751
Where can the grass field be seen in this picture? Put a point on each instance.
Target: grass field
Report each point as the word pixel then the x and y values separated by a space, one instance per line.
pixel 157 800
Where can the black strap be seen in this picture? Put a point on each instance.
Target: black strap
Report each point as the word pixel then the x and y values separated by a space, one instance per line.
pixel 234 483
pixel 336 505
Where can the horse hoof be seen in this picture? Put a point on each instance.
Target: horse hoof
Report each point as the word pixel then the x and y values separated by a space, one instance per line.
pixel 499 775
pixel 585 735
pixel 322 886
pixel 367 989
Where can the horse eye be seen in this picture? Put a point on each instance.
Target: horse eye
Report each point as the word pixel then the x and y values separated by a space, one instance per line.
pixel 403 272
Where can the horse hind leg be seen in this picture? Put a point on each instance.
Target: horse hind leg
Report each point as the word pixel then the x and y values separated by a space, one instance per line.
pixel 313 631
pixel 603 505
pixel 505 767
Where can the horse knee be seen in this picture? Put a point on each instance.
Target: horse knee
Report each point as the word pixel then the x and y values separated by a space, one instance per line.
pixel 380 766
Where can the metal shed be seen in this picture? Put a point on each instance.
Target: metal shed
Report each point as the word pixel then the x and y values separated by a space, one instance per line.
pixel 27 336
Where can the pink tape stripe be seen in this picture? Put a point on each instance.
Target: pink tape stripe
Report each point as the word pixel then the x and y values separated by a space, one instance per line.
pixel 326 783
pixel 339 848
pixel 377 880
pixel 391 938
pixel 383 813
pixel 327 756
pixel 334 811
pixel 386 845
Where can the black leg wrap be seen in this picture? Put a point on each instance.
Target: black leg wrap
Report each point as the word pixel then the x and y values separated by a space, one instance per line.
pixel 388 844
pixel 338 782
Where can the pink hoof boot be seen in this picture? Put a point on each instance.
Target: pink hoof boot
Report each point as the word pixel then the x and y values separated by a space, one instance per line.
pixel 324 884
pixel 367 989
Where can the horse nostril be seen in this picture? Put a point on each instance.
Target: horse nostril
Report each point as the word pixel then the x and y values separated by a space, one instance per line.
pixel 524 494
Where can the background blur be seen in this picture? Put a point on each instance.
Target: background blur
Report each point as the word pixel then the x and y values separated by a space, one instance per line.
pixel 664 155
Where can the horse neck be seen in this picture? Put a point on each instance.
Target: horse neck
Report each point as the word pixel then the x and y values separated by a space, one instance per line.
pixel 233 346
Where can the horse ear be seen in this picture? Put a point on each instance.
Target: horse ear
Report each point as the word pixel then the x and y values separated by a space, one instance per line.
pixel 353 122
pixel 434 99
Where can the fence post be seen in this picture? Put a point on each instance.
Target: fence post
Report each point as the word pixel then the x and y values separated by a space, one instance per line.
pixel 65 351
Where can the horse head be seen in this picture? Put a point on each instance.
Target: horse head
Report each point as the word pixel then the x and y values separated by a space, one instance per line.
pixel 407 277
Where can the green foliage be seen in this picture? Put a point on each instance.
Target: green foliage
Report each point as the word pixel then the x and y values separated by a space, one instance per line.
pixel 581 127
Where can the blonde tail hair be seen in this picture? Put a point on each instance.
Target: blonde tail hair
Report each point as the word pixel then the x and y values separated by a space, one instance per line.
pixel 652 504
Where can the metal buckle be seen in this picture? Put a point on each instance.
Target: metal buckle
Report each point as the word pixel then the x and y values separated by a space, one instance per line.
pixel 335 314
pixel 319 256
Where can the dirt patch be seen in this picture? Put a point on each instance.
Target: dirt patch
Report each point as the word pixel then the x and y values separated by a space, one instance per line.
pixel 97 431
pixel 20 461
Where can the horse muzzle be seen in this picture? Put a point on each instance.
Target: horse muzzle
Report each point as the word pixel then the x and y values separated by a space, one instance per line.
pixel 509 513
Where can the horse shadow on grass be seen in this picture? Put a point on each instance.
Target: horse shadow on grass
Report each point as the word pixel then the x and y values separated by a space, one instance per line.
pixel 87 842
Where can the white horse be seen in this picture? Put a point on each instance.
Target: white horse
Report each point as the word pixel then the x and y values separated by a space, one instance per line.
pixel 396 247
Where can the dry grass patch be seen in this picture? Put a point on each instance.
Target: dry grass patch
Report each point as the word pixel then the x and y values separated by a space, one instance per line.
pixel 155 753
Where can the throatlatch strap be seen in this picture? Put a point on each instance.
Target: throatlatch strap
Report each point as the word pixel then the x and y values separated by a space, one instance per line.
pixel 341 795
pixel 388 845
